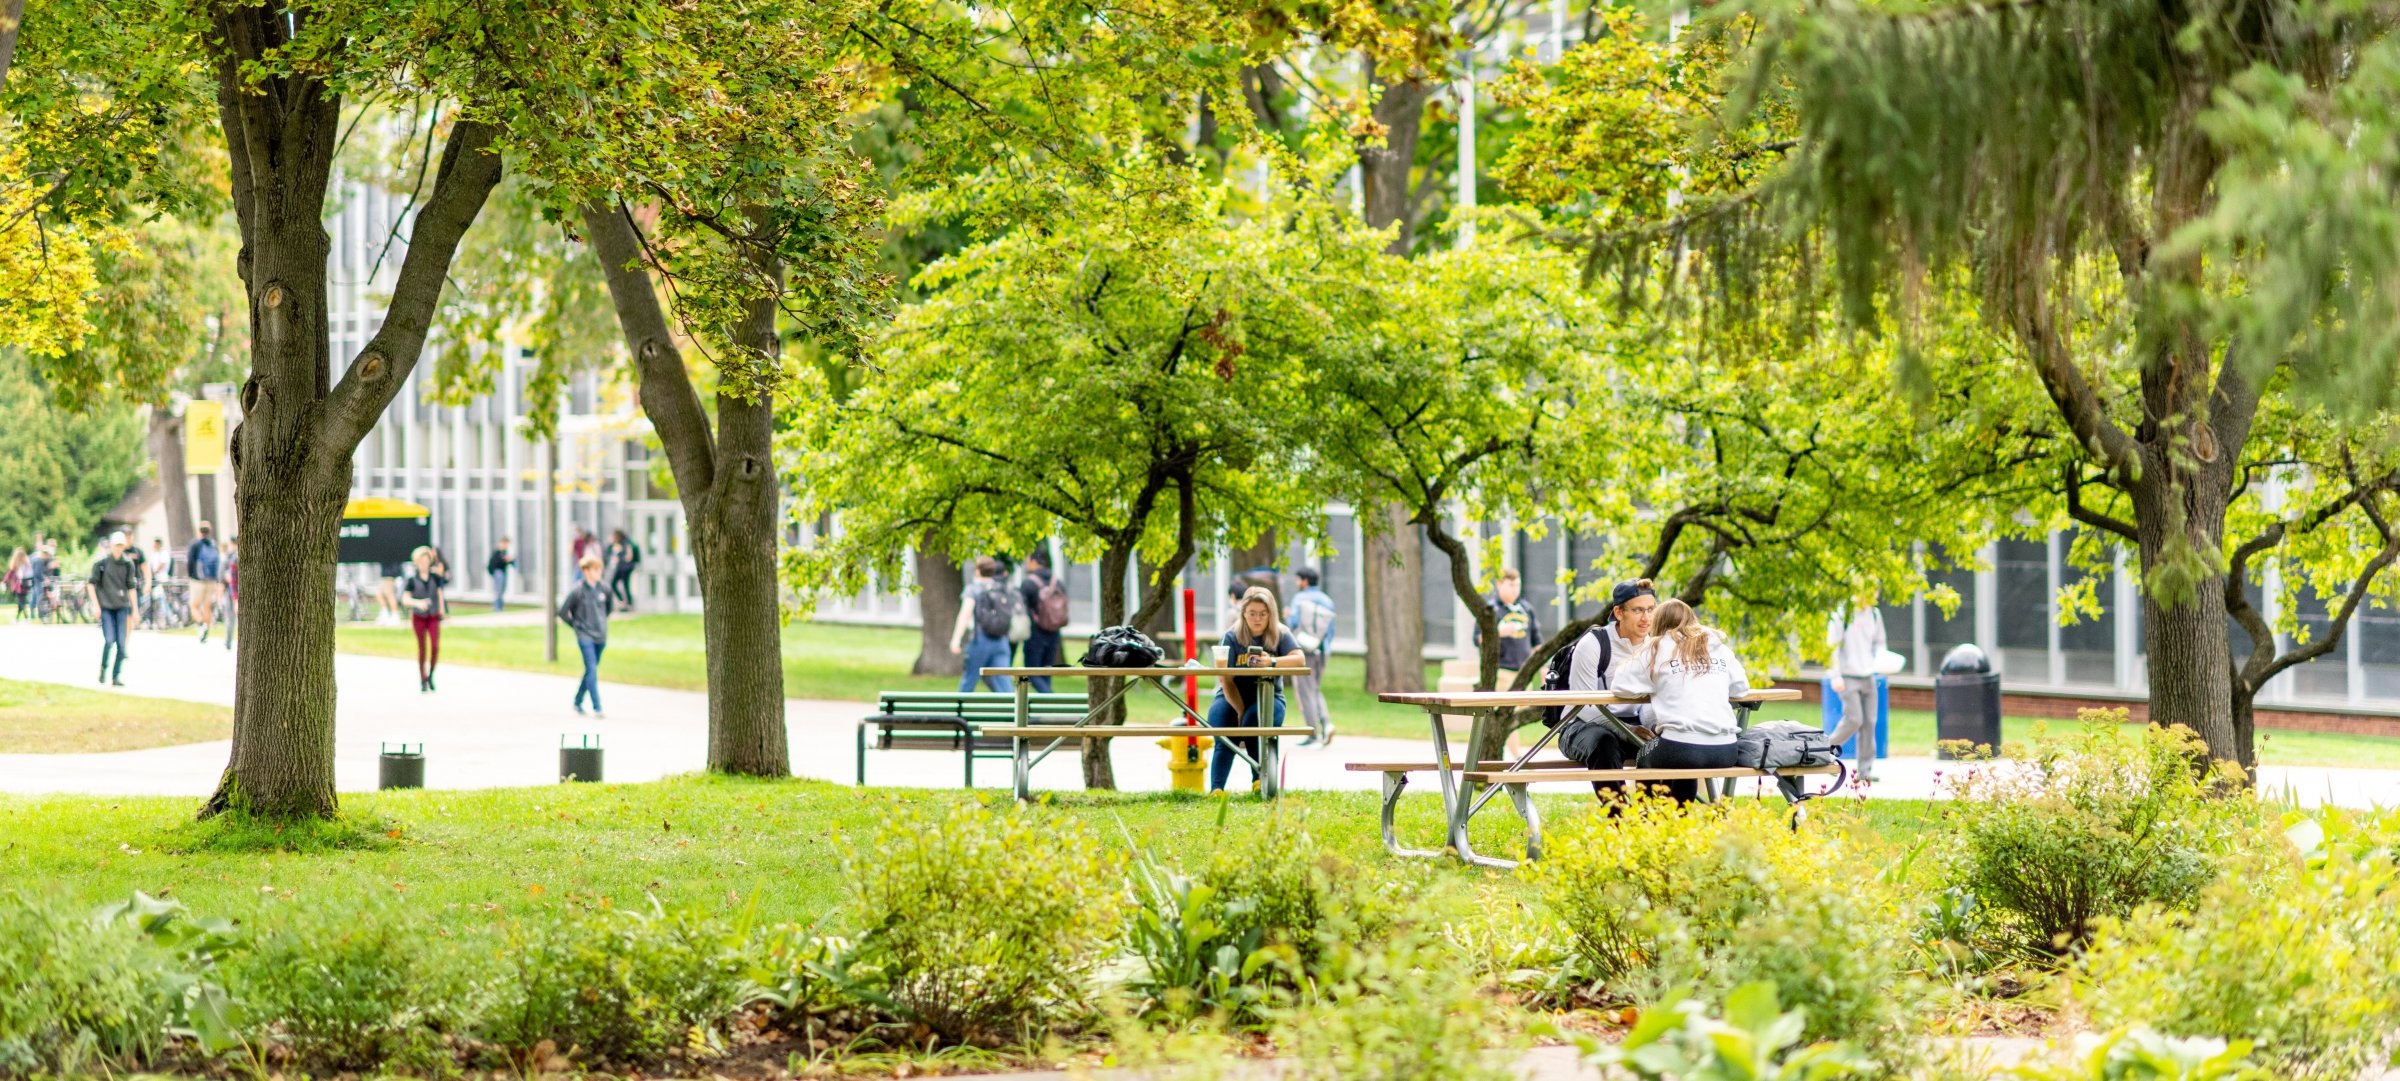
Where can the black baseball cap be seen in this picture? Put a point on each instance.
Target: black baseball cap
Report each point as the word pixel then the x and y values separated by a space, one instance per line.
pixel 1627 590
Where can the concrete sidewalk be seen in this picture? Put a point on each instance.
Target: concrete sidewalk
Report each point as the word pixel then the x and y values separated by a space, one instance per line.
pixel 496 728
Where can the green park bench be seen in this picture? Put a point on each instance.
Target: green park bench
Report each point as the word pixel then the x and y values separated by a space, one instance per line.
pixel 953 721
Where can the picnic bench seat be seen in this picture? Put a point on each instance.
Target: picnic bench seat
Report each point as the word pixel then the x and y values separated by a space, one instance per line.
pixel 955 721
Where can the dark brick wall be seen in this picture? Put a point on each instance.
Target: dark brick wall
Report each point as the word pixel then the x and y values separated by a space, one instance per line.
pixel 2064 706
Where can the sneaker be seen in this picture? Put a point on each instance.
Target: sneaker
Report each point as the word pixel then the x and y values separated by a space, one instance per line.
pixel 116 682
pixel 599 716
pixel 1310 741
pixel 1328 740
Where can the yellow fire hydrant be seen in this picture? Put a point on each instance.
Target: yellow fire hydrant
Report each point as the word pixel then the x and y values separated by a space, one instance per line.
pixel 1187 761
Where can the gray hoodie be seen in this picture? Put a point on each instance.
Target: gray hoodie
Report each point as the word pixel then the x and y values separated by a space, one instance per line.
pixel 586 609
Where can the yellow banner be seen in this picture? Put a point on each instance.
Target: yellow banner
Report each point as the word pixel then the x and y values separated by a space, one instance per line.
pixel 203 437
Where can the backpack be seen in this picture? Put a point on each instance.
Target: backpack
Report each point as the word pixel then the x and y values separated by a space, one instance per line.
pixel 1312 622
pixel 997 608
pixel 1050 605
pixel 1780 744
pixel 1121 647
pixel 1562 664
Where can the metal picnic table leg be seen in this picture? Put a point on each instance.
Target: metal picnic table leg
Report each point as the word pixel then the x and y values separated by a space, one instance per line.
pixel 1462 801
pixel 1270 767
pixel 1024 767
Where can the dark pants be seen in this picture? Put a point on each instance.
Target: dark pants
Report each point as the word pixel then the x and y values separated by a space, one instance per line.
pixel 620 585
pixel 429 642
pixel 1221 756
pixel 500 591
pixel 591 672
pixel 112 637
pixel 1043 649
pixel 1674 754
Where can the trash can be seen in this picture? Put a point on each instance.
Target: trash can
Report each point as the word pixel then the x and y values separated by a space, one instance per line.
pixel 398 767
pixel 1966 700
pixel 579 761
pixel 1187 761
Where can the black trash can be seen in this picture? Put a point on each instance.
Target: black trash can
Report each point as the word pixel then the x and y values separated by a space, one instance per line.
pixel 398 767
pixel 1966 701
pixel 580 761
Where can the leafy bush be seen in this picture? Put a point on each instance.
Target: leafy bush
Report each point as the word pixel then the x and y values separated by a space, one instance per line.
pixel 984 926
pixel 1254 929
pixel 2301 955
pixel 612 987
pixel 2139 1054
pixel 2092 824
pixel 349 991
pixel 1755 1040
pixel 80 995
pixel 1397 1013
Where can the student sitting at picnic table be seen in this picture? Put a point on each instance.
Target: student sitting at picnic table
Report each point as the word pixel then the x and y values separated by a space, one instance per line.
pixel 1691 675
pixel 1258 639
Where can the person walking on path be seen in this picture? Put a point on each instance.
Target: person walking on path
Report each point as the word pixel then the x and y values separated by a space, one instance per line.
pixel 586 610
pixel 498 566
pixel 989 611
pixel 1046 606
pixel 623 556
pixel 1258 640
pixel 205 566
pixel 15 581
pixel 1858 645
pixel 584 544
pixel 1691 676
pixel 114 583
pixel 1312 613
pixel 421 593
pixel 39 568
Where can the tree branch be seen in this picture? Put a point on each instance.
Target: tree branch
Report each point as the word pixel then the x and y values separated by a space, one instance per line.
pixel 2073 473
pixel 665 388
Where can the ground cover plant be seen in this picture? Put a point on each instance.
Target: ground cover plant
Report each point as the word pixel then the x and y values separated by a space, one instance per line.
pixel 50 718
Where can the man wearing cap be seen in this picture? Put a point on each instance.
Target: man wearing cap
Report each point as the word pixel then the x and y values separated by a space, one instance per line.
pixel 1598 654
pixel 113 583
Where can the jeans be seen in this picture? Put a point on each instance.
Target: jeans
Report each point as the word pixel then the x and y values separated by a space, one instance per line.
pixel 591 672
pixel 985 651
pixel 429 642
pixel 1043 649
pixel 1311 691
pixel 1858 719
pixel 499 591
pixel 1221 756
pixel 1676 754
pixel 112 635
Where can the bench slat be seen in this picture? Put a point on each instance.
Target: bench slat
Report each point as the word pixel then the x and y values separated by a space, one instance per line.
pixel 1138 731
pixel 1428 767
pixel 1499 776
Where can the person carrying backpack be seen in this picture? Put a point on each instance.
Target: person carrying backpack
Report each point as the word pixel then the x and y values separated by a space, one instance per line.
pixel 1045 600
pixel 1312 626
pixel 989 611
pixel 623 556
pixel 1587 734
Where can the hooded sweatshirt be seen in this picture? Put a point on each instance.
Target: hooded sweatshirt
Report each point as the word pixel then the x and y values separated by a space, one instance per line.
pixel 1688 703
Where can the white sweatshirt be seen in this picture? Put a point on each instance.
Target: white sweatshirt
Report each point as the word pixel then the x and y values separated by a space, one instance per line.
pixel 1688 703
pixel 1858 644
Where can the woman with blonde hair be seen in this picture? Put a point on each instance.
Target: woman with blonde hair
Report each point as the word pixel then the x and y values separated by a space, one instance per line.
pixel 421 593
pixel 1692 677
pixel 1257 639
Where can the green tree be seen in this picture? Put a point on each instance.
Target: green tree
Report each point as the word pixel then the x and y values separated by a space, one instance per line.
pixel 61 466
pixel 1122 376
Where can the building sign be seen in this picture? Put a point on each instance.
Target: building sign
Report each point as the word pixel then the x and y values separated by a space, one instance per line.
pixel 203 437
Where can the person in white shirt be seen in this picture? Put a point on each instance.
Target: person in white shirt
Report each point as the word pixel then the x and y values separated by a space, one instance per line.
pixel 1595 659
pixel 1691 676
pixel 1858 646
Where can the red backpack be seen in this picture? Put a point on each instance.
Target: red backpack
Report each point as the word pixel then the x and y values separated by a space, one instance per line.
pixel 1050 605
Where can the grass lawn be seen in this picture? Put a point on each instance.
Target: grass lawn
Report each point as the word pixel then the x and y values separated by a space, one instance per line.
pixel 699 843
pixel 50 718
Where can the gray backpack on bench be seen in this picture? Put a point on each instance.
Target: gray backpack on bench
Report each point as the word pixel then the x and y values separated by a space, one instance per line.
pixel 1779 744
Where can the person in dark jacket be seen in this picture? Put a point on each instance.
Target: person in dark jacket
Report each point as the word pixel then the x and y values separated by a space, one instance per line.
pixel 586 609
pixel 623 556
pixel 113 584
pixel 1043 648
pixel 502 562
pixel 1519 628
pixel 421 592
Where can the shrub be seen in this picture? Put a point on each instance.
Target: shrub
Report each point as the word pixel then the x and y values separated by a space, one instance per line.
pixel 1679 1039
pixel 2139 1054
pixel 349 991
pixel 80 995
pixel 1398 1013
pixel 611 987
pixel 2298 956
pixel 2092 824
pixel 984 926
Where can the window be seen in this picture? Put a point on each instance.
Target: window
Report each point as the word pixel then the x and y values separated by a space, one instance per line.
pixel 2089 646
pixel 2327 676
pixel 1942 635
pixel 1441 624
pixel 2024 609
pixel 1537 562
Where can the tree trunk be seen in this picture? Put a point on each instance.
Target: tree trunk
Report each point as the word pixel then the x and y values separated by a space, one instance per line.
pixel 205 489
pixel 166 448
pixel 12 18
pixel 1394 571
pixel 2191 655
pixel 292 451
pixel 1098 773
pixel 726 481
pixel 1489 741
pixel 941 588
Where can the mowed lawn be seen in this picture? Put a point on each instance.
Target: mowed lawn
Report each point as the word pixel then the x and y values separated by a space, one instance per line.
pixel 694 843
pixel 51 718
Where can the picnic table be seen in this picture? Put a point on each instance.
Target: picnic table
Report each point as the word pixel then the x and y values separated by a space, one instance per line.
pixel 1024 734
pixel 1458 780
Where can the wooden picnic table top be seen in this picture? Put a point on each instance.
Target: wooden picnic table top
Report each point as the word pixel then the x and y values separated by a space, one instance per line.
pixel 1158 670
pixel 1498 699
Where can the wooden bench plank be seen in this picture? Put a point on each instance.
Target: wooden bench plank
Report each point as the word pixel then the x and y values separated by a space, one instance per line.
pixel 1428 767
pixel 1138 731
pixel 1500 776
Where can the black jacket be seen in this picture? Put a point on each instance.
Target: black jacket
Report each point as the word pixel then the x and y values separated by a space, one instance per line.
pixel 586 609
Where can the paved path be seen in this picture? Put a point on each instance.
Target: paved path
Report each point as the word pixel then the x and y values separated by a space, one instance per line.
pixel 495 728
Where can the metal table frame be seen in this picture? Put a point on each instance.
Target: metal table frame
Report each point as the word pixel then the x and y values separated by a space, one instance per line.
pixel 1268 763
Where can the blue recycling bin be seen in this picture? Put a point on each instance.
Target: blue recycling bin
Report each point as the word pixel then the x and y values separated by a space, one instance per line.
pixel 1883 717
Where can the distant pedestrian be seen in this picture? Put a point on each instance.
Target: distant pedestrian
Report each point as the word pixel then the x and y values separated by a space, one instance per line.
pixel 19 565
pixel 623 556
pixel 161 567
pixel 1858 645
pixel 584 544
pixel 988 612
pixel 40 567
pixel 498 566
pixel 1312 616
pixel 586 609
pixel 1519 627
pixel 113 584
pixel 233 588
pixel 1045 599
pixel 143 572
pixel 205 566
pixel 421 593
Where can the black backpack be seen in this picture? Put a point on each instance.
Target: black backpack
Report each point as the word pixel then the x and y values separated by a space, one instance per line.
pixel 1121 647
pixel 996 609
pixel 1562 664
